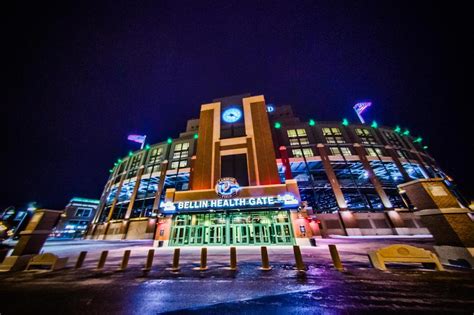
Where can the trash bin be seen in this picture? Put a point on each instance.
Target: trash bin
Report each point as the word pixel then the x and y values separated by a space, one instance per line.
pixel 312 241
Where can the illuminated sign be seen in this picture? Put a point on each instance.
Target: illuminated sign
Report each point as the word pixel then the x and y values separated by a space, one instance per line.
pixel 270 108
pixel 232 115
pixel 286 200
pixel 227 187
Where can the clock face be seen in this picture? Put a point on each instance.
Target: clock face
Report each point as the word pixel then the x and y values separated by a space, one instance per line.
pixel 231 115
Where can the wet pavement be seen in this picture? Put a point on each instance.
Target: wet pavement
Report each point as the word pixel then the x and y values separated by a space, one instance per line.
pixel 283 290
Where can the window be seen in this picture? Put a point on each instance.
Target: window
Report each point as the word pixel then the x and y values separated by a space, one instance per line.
pixel 235 166
pixel 181 154
pixel 297 137
pixel 373 151
pixel 401 154
pixel 340 151
pixel 83 212
pixel 392 138
pixel 306 151
pixel 155 155
pixel 135 162
pixel 183 163
pixel 333 135
pixel 365 136
pixel 291 133
pixel 181 146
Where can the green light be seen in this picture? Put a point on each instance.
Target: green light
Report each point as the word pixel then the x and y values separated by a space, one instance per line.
pixel 312 122
pixel 115 164
pixel 398 129
pixel 130 153
pixel 345 122
pixel 111 171
pixel 425 147
pixel 374 124
pixel 277 125
pixel 79 199
pixel 419 139
pixel 119 160
pixel 196 136
pixel 406 132
pixel 147 147
pixel 169 140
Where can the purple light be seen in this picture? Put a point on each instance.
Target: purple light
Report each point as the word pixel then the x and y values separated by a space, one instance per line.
pixel 137 138
pixel 360 108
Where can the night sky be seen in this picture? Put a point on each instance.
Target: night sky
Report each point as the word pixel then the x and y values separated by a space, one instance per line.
pixel 79 77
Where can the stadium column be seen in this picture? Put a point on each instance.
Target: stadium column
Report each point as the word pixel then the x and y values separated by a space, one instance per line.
pixel 161 185
pixel 348 220
pixel 360 150
pixel 285 161
pixel 341 202
pixel 257 126
pixel 191 172
pixel 114 203
pixel 417 156
pixel 209 133
pixel 134 193
pixel 421 162
pixel 396 160
pixel 103 199
pixel 112 207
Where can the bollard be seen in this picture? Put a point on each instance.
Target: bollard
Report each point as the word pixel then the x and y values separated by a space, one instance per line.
pixel 299 259
pixel 233 258
pixel 203 265
pixel 149 261
pixel 265 262
pixel 80 260
pixel 126 257
pixel 102 259
pixel 336 260
pixel 175 267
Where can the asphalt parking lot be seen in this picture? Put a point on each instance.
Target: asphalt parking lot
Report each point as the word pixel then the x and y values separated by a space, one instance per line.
pixel 283 290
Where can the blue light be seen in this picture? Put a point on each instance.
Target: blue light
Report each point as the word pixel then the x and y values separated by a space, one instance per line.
pixel 270 108
pixel 232 115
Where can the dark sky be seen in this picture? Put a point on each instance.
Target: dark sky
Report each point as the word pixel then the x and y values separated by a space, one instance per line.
pixel 80 76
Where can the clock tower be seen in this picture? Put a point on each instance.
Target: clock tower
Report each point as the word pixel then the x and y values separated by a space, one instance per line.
pixel 234 141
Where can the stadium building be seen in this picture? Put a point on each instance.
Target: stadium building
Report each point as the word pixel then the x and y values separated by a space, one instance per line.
pixel 249 173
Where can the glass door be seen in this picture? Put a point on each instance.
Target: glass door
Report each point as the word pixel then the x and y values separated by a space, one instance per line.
pixel 179 235
pixel 216 234
pixel 196 235
pixel 282 233
pixel 240 234
pixel 261 234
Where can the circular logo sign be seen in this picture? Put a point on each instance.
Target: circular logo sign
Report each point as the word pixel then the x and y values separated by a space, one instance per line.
pixel 227 187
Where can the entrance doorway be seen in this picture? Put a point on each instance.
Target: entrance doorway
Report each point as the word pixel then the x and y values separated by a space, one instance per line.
pixel 235 228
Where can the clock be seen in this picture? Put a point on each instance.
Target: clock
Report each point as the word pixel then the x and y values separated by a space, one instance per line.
pixel 231 115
